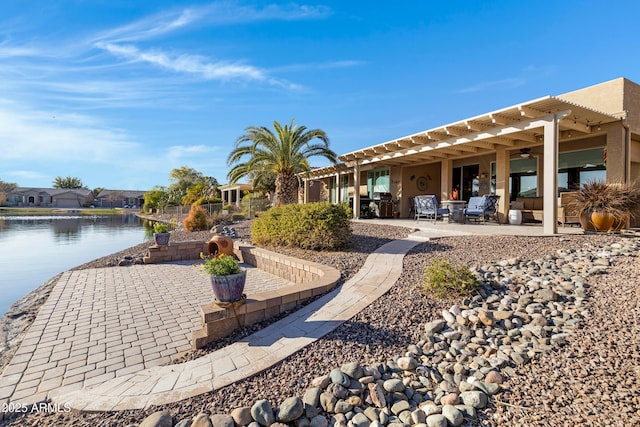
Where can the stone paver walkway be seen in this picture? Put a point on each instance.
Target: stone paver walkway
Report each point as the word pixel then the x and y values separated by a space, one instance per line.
pixel 105 324
pixel 163 384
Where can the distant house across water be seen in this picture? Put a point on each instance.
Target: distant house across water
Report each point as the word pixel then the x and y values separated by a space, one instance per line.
pixel 120 199
pixel 50 197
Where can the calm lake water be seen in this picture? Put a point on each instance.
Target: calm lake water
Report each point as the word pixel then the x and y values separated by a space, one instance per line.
pixel 33 249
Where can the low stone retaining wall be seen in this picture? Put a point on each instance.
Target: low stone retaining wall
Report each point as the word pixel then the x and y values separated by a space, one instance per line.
pixel 179 251
pixel 310 278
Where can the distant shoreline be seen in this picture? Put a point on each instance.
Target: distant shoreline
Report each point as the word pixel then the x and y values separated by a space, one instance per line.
pixel 65 211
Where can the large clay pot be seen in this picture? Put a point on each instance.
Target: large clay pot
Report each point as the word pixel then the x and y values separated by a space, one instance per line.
pixel 602 221
pixel 220 245
pixel 229 288
pixel 620 222
pixel 585 221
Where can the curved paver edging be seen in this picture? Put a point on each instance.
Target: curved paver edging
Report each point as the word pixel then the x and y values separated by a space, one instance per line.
pixel 309 279
pixel 165 384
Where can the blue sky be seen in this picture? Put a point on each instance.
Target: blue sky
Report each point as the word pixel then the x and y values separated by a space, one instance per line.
pixel 119 92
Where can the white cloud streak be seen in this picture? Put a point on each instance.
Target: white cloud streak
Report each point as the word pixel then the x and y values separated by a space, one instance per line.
pixel 186 151
pixel 216 13
pixel 185 63
pixel 509 83
pixel 40 135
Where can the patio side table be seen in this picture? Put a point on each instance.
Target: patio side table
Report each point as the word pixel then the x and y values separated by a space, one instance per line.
pixel 456 209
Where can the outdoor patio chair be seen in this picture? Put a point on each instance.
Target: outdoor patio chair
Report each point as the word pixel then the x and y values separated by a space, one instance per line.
pixel 427 207
pixel 482 208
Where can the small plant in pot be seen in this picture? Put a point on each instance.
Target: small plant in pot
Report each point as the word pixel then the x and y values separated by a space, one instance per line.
pixel 227 277
pixel 161 233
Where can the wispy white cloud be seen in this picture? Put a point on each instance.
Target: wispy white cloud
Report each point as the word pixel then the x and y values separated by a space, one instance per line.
pixel 508 83
pixel 34 135
pixel 119 41
pixel 147 28
pixel 22 175
pixel 16 51
pixel 319 66
pixel 216 13
pixel 179 152
pixel 185 63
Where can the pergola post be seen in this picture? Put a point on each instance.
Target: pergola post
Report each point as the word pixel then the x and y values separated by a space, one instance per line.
pixel 446 172
pixel 503 170
pixel 550 189
pixel 356 191
pixel 337 187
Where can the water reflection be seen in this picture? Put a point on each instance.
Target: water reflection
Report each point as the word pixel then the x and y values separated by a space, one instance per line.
pixel 67 241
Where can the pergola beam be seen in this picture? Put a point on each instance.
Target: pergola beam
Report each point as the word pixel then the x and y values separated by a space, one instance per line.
pixel 574 124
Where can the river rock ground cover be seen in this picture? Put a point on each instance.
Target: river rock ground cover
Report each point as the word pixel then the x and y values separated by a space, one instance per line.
pixel 591 380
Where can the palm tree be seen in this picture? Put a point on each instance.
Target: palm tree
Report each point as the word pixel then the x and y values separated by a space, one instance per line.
pixel 285 153
pixel 68 182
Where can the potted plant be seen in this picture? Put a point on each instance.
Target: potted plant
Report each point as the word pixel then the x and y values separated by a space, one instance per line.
pixel 227 277
pixel 161 233
pixel 605 205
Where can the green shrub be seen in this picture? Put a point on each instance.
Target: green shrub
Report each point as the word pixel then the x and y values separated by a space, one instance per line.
pixel 309 226
pixel 160 227
pixel 221 265
pixel 444 279
pixel 197 219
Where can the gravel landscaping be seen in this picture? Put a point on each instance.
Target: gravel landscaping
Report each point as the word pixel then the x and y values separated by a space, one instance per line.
pixel 591 379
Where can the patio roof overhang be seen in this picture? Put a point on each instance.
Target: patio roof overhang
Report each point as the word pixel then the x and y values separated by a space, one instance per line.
pixel 513 128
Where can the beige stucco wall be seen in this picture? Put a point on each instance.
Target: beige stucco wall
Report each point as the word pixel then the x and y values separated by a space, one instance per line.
pixel 430 171
pixel 616 97
pixel 605 97
pixel 632 105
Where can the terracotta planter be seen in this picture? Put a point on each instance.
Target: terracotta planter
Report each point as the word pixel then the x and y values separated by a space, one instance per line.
pixel 229 288
pixel 585 221
pixel 161 239
pixel 602 221
pixel 620 222
pixel 220 245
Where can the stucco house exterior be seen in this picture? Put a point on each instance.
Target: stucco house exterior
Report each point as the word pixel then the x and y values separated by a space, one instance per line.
pixel 233 193
pixel 533 150
pixel 120 199
pixel 50 197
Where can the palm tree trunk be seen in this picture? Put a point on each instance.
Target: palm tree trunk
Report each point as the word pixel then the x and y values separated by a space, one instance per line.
pixel 286 189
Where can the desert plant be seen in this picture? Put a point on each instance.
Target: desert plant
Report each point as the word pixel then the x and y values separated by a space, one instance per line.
pixel 160 227
pixel 309 226
pixel 620 200
pixel 197 219
pixel 220 265
pixel 443 279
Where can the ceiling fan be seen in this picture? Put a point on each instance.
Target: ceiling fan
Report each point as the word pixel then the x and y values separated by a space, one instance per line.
pixel 524 153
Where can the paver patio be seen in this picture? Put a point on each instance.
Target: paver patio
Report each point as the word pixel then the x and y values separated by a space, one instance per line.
pixel 101 324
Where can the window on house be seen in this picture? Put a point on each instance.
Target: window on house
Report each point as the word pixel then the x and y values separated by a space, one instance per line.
pixel 493 177
pixel 578 167
pixel 343 196
pixel 378 181
pixel 523 178
pixel 344 188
